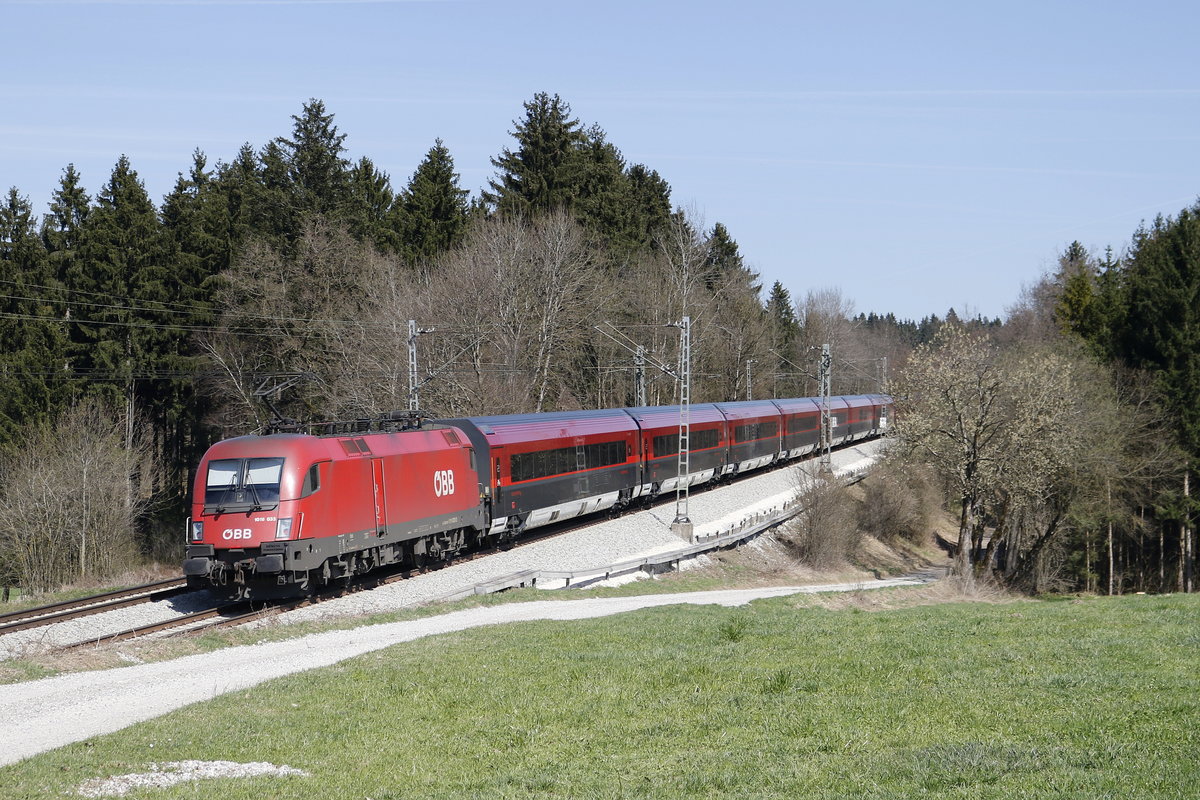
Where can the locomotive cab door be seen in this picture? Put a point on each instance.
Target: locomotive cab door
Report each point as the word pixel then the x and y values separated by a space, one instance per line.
pixel 380 497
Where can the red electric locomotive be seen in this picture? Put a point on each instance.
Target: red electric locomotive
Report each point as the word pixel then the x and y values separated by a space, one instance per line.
pixel 278 514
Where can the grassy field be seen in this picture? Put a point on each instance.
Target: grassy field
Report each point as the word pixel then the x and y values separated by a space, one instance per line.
pixel 1083 698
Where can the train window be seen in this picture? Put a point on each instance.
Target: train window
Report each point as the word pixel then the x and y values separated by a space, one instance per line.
pixel 668 444
pixel 565 460
pixel 262 478
pixel 756 430
pixel 604 454
pixel 223 474
pixel 249 482
pixel 312 480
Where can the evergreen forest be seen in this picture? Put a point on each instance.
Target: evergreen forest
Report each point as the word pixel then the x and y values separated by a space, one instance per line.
pixel 282 279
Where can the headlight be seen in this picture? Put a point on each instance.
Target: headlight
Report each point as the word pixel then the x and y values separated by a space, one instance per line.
pixel 283 529
pixel 196 532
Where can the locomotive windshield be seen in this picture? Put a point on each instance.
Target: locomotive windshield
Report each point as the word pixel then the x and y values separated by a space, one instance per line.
pixel 242 484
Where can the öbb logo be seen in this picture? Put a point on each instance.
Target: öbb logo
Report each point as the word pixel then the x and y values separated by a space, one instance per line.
pixel 443 482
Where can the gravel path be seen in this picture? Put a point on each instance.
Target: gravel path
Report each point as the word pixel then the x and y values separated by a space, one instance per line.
pixel 41 715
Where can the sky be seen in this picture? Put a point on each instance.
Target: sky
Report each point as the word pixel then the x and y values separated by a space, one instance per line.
pixel 918 156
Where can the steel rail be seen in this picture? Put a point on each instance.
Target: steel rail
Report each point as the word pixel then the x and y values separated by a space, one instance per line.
pixel 86 606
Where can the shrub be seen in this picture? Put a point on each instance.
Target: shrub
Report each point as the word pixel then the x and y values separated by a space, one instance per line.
pixel 899 503
pixel 824 533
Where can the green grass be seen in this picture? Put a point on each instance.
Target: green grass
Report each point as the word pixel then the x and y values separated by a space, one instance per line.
pixel 1090 698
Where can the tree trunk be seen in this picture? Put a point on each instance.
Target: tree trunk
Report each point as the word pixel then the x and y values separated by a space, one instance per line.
pixel 962 559
pixel 1187 532
pixel 1087 561
pixel 1179 577
pixel 1108 490
pixel 989 556
pixel 1162 559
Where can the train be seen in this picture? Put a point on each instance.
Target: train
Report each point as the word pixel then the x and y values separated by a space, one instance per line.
pixel 283 514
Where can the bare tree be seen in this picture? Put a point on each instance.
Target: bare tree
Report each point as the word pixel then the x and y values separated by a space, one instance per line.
pixel 520 297
pixel 71 497
pixel 951 414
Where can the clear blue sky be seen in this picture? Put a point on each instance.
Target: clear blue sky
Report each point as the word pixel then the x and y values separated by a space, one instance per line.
pixel 919 156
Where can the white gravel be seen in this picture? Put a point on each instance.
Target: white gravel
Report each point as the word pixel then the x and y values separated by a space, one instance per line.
pixel 173 772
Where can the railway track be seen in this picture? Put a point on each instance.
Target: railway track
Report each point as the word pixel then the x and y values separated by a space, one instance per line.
pixel 94 604
pixel 221 616
pixel 225 615
pixel 233 614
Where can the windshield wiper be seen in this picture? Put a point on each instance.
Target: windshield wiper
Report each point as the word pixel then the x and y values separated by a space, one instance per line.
pixel 258 504
pixel 221 500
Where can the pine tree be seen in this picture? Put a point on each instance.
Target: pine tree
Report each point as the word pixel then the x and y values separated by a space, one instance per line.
pixel 318 171
pixel 604 204
pixel 724 260
pixel 545 171
pixel 1077 309
pixel 195 217
pixel 432 212
pixel 371 205
pixel 125 277
pixel 785 329
pixel 650 201
pixel 198 237
pixel 31 388
pixel 62 227
pixel 1162 329
pixel 782 311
